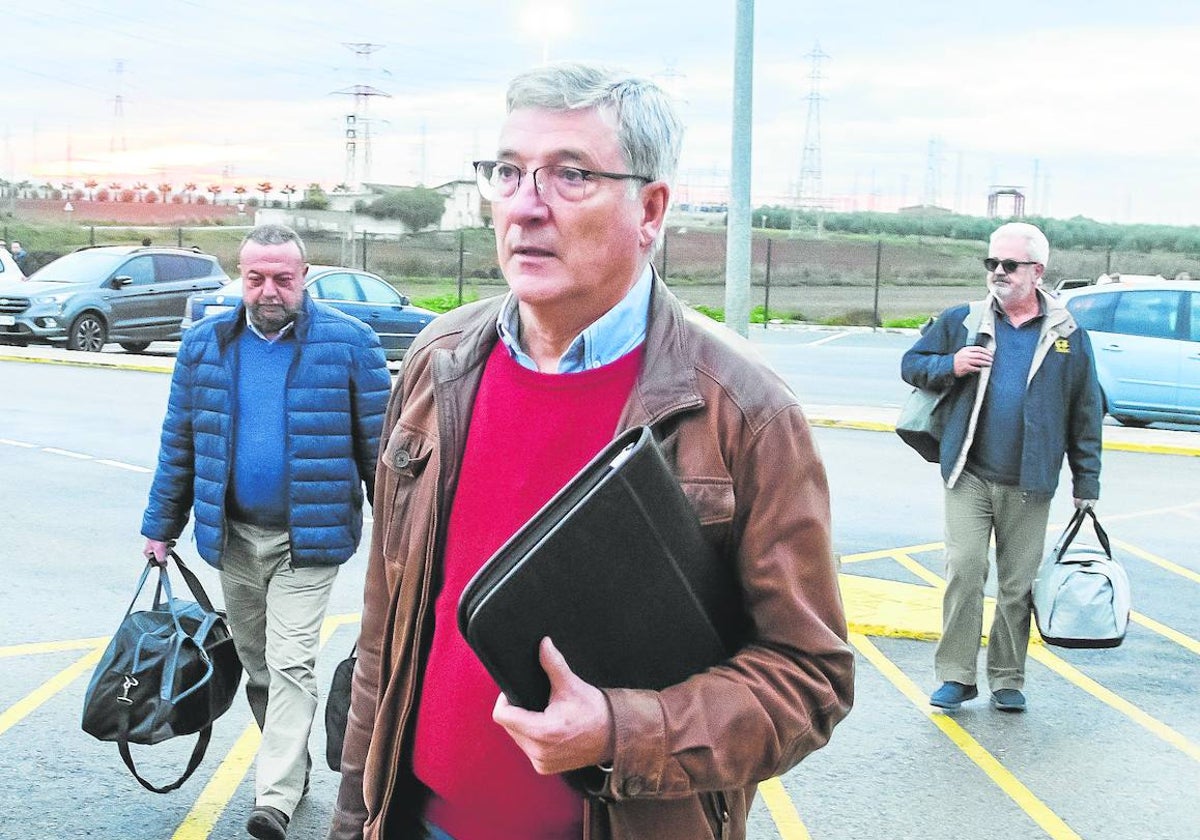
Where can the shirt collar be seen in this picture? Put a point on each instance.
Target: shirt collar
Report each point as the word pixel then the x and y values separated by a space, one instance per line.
pixel 608 338
pixel 287 328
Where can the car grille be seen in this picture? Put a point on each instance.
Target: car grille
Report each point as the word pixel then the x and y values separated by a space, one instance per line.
pixel 12 306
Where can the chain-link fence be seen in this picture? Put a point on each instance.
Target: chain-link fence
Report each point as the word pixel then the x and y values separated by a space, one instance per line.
pixel 844 279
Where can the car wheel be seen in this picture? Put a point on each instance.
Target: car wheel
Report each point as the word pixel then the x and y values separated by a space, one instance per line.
pixel 88 333
pixel 134 346
pixel 1131 422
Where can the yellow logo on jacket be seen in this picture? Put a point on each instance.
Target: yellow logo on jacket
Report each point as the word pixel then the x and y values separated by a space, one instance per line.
pixel 1061 345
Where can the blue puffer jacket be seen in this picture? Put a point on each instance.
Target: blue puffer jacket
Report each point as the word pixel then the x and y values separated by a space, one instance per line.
pixel 337 393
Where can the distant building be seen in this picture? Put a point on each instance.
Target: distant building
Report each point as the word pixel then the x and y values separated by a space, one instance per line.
pixel 925 210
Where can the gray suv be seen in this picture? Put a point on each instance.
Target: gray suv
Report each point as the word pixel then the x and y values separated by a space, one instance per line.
pixel 109 293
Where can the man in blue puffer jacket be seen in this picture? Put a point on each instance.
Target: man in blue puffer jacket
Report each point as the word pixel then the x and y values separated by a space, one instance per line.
pixel 271 433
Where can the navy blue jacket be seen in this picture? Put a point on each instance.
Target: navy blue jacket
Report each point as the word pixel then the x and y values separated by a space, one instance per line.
pixel 337 392
pixel 1064 409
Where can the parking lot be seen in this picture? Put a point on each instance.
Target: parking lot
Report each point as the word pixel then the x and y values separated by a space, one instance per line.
pixel 1110 746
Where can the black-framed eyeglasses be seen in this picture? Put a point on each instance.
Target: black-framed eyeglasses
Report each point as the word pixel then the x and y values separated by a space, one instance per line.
pixel 499 181
pixel 991 264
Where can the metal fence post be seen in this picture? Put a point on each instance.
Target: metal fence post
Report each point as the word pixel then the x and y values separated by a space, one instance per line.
pixel 179 236
pixel 364 250
pixel 878 265
pixel 664 254
pixel 461 252
pixel 767 288
pixel 92 235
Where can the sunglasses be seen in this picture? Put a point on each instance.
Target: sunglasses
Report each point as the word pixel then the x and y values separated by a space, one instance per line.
pixel 991 264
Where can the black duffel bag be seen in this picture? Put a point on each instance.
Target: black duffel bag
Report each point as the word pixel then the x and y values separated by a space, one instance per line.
pixel 168 671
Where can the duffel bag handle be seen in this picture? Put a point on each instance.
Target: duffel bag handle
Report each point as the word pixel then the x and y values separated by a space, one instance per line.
pixel 1072 529
pixel 193 762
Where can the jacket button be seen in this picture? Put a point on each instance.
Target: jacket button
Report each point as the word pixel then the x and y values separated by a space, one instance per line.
pixel 401 459
pixel 634 785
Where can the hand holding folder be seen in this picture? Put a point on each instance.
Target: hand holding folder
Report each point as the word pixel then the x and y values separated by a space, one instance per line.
pixel 615 569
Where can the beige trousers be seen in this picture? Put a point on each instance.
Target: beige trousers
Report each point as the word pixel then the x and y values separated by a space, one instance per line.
pixel 275 616
pixel 976 508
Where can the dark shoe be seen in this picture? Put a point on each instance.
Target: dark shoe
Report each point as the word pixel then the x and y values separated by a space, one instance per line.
pixel 951 695
pixel 1008 700
pixel 267 823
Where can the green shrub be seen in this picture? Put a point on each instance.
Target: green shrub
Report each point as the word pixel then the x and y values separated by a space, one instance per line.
pixel 711 312
pixel 446 302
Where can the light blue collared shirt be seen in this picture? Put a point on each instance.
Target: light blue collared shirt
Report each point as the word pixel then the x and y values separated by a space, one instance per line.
pixel 611 336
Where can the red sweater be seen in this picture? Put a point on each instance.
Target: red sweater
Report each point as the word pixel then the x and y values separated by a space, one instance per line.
pixel 530 433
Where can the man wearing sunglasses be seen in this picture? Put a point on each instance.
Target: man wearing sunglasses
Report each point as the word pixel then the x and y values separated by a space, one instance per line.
pixel 499 404
pixel 1023 393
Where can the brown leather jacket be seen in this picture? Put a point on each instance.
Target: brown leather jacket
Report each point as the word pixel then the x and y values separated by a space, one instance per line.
pixel 688 758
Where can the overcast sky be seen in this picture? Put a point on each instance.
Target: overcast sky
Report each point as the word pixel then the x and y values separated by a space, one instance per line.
pixel 1090 107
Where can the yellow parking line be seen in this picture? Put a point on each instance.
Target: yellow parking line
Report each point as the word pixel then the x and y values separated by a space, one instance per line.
pixel 783 812
pixel 221 787
pixel 1175 636
pixel 890 552
pixel 1115 701
pixel 1050 822
pixel 14 713
pixel 1174 568
pixel 32 648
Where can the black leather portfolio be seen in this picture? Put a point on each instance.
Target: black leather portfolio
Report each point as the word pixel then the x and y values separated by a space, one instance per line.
pixel 615 570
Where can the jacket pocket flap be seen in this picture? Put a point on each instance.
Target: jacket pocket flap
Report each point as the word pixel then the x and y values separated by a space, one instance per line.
pixel 407 452
pixel 712 498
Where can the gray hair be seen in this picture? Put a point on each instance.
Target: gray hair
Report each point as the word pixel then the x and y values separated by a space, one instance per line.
pixel 1036 243
pixel 274 235
pixel 648 128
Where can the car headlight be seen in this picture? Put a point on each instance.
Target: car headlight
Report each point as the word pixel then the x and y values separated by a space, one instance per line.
pixel 58 298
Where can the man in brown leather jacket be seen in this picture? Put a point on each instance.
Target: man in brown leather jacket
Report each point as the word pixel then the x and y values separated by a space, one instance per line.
pixel 499 395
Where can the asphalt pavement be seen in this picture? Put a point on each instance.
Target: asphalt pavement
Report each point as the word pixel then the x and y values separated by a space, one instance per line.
pixel 160 357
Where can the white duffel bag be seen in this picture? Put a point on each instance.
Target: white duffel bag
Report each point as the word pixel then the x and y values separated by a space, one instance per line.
pixel 1081 594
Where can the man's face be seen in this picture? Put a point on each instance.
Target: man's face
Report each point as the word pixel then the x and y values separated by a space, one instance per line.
pixel 1019 287
pixel 272 284
pixel 572 262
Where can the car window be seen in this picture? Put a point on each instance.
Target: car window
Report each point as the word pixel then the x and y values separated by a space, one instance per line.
pixel 336 287
pixel 140 269
pixel 376 291
pixel 1195 325
pixel 173 267
pixel 1093 312
pixel 1152 313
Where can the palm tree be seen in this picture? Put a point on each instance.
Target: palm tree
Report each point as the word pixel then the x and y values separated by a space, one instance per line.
pixel 189 188
pixel 342 188
pixel 165 189
pixel 264 187
pixel 91 184
pixel 47 190
pixel 139 188
pixel 22 188
pixel 215 189
pixel 115 188
pixel 288 190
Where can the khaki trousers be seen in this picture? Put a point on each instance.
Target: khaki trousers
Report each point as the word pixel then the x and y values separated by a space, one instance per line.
pixel 975 509
pixel 275 616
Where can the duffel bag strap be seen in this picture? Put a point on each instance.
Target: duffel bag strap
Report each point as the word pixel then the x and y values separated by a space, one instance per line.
pixel 1072 530
pixel 193 583
pixel 205 735
pixel 1101 534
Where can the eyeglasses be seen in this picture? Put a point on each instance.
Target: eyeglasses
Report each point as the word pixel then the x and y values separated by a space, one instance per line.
pixel 499 181
pixel 991 264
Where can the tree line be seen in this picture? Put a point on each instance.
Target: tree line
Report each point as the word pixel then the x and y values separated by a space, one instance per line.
pixel 1076 232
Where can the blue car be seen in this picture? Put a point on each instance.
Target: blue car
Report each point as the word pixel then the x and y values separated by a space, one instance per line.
pixel 366 296
pixel 1146 339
